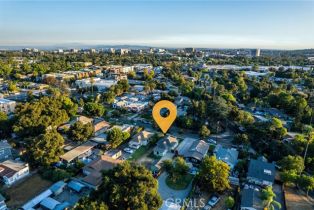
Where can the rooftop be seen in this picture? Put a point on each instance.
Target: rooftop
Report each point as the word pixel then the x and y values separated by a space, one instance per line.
pixel 262 170
pixel 74 153
pixel 95 168
pixel 193 148
pixel 251 198
pixel 5 144
pixel 230 156
pixel 142 136
pixel 5 101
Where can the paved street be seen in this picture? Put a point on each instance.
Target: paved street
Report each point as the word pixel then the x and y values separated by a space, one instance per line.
pixel 167 192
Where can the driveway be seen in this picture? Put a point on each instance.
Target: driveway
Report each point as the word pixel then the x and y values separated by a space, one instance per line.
pixel 224 139
pixel 168 193
pixel 279 195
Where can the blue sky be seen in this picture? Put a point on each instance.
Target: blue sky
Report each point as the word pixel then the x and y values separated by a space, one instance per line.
pixel 220 24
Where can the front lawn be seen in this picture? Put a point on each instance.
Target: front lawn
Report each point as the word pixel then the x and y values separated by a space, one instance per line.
pixel 180 183
pixel 139 152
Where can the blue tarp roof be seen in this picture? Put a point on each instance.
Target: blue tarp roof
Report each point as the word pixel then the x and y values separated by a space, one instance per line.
pixel 56 186
pixel 62 206
pixel 74 185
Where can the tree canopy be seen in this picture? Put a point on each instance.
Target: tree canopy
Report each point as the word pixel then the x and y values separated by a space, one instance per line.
pixel 33 118
pixel 81 132
pixel 116 136
pixel 213 175
pixel 94 109
pixel 46 148
pixel 129 186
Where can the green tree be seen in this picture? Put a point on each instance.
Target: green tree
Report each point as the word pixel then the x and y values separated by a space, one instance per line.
pixel 268 196
pixel 116 137
pixel 289 177
pixel 213 175
pixel 46 148
pixel 12 87
pixel 306 183
pixel 109 97
pixel 33 118
pixel 204 131
pixel 132 75
pixel 5 70
pixel 94 109
pixel 180 167
pixel 81 132
pixel 277 128
pixel 148 75
pixel 129 186
pixel 295 163
pixel 229 202
pixel 87 204
pixel 3 123
pixel 69 105
pixel 176 168
pixel 241 139
pixel 167 166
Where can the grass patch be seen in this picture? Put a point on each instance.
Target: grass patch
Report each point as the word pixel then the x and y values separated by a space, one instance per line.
pixel 139 152
pixel 153 156
pixel 22 192
pixel 147 116
pixel 180 183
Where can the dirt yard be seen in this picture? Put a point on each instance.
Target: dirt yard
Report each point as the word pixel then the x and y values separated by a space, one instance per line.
pixel 296 200
pixel 20 193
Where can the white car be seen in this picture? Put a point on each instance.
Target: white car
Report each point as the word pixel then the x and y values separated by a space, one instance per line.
pixel 128 150
pixel 134 146
pixel 212 141
pixel 207 207
pixel 213 200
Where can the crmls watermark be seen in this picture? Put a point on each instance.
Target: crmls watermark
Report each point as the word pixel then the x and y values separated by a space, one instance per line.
pixel 195 203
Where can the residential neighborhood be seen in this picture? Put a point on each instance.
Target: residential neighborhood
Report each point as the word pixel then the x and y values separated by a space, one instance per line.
pixel 156 105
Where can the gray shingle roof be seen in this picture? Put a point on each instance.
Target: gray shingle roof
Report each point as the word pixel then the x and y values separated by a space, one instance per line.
pixel 230 156
pixel 193 148
pixel 4 144
pixel 262 170
pixel 250 197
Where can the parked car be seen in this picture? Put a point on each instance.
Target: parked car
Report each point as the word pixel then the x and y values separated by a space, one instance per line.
pixel 135 146
pixel 193 171
pixel 214 199
pixel 128 150
pixel 207 207
pixel 212 141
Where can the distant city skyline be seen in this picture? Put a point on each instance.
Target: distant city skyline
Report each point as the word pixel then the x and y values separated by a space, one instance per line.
pixel 199 24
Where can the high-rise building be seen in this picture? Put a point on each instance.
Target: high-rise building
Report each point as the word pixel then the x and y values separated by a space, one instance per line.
pixel 112 50
pixel 74 50
pixel 189 50
pixel 123 51
pixel 256 52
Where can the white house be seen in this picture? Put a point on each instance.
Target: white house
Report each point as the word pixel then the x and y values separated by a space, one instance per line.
pixel 140 139
pixel 7 106
pixel 165 145
pixel 13 170
pixel 100 84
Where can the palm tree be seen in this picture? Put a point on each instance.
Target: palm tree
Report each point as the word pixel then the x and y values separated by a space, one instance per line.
pixel 268 199
pixel 92 81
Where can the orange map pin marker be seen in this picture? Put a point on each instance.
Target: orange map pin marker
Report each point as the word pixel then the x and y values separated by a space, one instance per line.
pixel 164 123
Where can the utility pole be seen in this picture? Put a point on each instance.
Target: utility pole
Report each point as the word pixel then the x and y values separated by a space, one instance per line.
pixel 309 137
